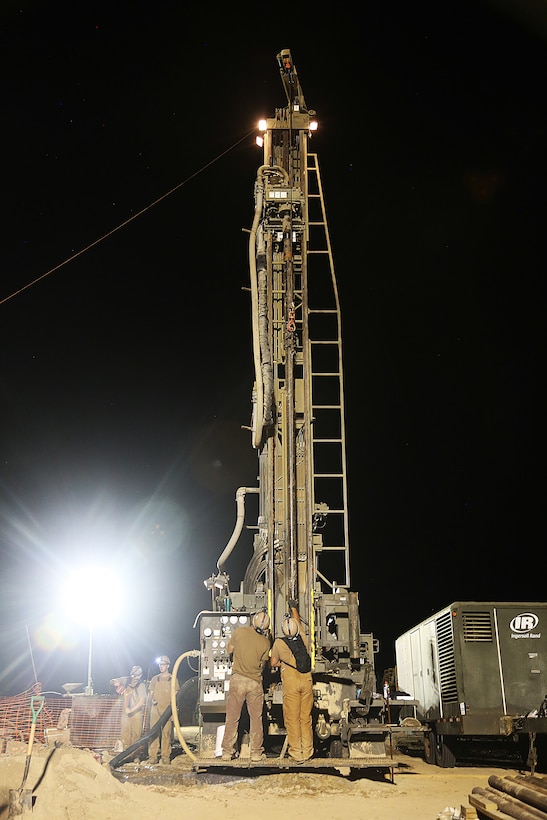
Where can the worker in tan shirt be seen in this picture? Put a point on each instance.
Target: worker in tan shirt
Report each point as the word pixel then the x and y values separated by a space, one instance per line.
pixel 133 692
pixel 249 646
pixel 160 698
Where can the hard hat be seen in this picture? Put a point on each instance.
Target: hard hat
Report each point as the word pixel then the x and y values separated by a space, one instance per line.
pixel 164 659
pixel 261 621
pixel 290 627
pixel 136 672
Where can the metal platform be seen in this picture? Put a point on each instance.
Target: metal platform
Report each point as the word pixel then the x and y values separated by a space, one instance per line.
pixel 376 762
pixel 147 774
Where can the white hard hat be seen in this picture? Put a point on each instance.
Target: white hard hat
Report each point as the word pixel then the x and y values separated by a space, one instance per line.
pixel 136 672
pixel 164 659
pixel 290 627
pixel 261 621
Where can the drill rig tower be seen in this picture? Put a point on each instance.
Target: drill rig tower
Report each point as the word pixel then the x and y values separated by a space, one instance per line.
pixel 301 541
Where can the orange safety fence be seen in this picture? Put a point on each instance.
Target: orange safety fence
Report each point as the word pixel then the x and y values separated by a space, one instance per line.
pixel 84 721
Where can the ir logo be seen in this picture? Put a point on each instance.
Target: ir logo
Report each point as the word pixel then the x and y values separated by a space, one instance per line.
pixel 524 622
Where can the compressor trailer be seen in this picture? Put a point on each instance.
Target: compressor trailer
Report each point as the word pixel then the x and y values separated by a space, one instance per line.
pixel 477 674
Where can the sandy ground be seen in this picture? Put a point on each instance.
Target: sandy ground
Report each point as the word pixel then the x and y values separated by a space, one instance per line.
pixel 73 784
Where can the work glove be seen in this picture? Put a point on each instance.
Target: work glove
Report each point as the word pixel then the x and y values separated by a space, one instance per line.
pixel 293 603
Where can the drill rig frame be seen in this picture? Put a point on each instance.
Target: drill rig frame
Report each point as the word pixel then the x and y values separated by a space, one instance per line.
pixel 301 540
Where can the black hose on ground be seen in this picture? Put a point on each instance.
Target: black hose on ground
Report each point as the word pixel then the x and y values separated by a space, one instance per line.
pixel 186 702
pixel 142 742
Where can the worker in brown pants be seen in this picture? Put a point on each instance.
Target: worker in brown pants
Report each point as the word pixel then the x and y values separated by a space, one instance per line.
pixel 297 688
pixel 160 697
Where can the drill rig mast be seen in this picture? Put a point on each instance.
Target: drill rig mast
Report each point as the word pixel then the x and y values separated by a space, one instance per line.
pixel 301 541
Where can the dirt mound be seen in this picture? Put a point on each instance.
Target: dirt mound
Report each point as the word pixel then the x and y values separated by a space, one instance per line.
pixel 69 783
pixel 73 784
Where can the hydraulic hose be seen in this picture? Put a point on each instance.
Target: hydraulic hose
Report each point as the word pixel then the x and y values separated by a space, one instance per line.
pixel 240 502
pixel 192 653
pixel 255 569
pixel 256 301
pixel 259 408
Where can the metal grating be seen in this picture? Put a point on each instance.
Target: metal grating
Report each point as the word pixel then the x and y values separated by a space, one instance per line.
pixel 477 627
pixel 447 667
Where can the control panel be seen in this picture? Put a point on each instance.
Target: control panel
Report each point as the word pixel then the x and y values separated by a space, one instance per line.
pixel 216 630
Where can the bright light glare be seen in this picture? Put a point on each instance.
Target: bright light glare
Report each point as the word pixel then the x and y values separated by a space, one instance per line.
pixel 259 141
pixel 92 595
pixel 262 125
pixel 314 125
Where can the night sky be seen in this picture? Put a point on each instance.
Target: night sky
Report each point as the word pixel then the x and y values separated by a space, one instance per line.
pixel 126 374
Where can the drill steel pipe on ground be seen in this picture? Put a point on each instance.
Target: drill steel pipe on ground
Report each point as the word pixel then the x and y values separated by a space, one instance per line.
pixel 524 798
pixel 508 806
pixel 525 792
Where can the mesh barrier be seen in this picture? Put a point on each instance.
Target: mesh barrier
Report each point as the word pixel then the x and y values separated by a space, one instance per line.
pixel 16 717
pixel 94 721
pixel 87 722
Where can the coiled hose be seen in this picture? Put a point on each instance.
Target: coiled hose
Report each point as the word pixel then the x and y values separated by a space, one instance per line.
pixel 192 653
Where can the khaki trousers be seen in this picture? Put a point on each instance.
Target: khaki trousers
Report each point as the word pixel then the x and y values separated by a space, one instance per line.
pixel 131 728
pixel 164 737
pixel 244 690
pixel 297 706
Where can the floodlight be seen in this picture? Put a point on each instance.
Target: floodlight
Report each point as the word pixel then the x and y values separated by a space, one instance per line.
pixel 91 595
